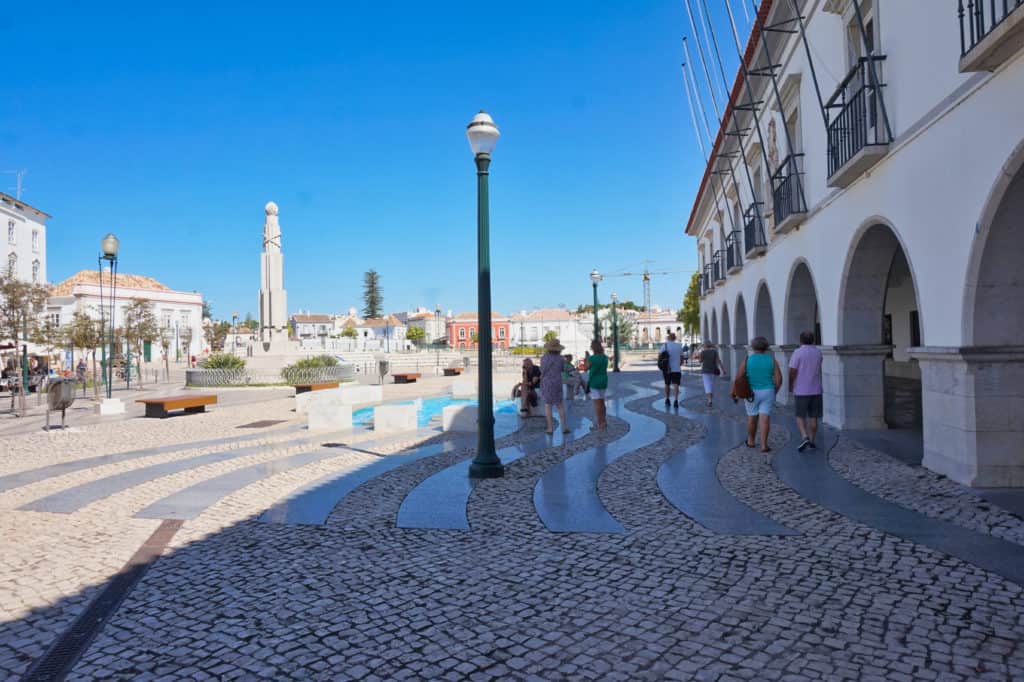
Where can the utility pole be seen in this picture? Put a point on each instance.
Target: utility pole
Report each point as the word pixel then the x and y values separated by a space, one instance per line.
pixel 19 174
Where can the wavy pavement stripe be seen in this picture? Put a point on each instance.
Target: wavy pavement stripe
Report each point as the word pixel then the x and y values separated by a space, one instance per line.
pixel 689 479
pixel 566 495
pixel 22 478
pixel 313 504
pixel 440 501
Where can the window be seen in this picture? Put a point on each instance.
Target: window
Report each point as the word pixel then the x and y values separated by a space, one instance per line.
pixel 462 332
pixel 915 329
pixel 55 319
pixel 12 264
pixel 501 332
pixel 35 241
pixel 11 233
pixel 35 272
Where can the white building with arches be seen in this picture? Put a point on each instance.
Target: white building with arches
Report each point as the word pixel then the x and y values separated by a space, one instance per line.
pixel 890 221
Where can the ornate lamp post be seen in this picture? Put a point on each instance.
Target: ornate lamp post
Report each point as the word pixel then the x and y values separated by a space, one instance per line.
pixel 483 135
pixel 437 330
pixel 596 277
pixel 109 246
pixel 615 334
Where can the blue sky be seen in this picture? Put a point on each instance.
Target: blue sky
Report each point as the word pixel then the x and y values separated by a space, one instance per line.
pixel 173 126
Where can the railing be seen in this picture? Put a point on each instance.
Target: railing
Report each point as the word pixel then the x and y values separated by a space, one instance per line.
pixel 976 22
pixel 717 266
pixel 787 190
pixel 855 117
pixel 733 253
pixel 706 284
pixel 753 228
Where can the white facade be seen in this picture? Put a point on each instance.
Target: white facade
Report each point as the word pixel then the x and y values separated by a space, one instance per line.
pixel 905 257
pixel 433 324
pixel 24 235
pixel 179 313
pixel 529 328
pixel 306 326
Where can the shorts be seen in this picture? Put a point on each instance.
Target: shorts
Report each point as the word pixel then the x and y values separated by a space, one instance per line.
pixel 808 406
pixel 673 378
pixel 598 393
pixel 763 402
pixel 709 382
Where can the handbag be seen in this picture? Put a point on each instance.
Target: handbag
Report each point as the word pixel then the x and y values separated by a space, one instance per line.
pixel 718 372
pixel 741 388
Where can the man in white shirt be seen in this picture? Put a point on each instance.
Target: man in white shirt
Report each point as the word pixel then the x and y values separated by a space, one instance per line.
pixel 675 373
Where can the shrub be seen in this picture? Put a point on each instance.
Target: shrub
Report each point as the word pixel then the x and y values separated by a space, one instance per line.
pixel 315 361
pixel 224 361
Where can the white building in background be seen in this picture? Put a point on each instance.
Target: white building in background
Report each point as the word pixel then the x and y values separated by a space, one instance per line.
pixel 312 326
pixel 382 333
pixel 529 328
pixel 890 223
pixel 432 322
pixel 24 231
pixel 179 313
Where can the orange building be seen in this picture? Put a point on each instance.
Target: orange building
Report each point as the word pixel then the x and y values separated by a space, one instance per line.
pixel 462 330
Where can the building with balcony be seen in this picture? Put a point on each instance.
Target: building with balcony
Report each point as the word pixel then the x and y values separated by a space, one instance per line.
pixel 867 184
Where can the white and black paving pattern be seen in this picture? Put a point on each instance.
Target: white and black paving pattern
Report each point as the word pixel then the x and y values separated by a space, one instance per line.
pixel 688 555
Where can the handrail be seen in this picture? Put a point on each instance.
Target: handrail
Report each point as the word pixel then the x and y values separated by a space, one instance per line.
pixel 854 70
pixel 975 18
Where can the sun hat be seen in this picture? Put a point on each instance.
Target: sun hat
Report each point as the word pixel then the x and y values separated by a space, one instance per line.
pixel 553 346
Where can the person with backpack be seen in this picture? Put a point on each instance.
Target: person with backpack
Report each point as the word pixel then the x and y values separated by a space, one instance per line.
pixel 710 367
pixel 670 361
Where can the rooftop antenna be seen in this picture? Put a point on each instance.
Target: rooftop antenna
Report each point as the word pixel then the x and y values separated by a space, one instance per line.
pixel 19 174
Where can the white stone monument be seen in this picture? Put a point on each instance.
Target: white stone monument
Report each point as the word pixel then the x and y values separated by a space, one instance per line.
pixel 273 299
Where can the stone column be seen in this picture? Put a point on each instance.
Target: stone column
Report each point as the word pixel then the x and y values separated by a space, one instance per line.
pixel 725 351
pixel 853 378
pixel 782 356
pixel 973 403
pixel 739 354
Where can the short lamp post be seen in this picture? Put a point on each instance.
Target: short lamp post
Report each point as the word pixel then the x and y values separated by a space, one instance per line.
pixel 437 332
pixel 109 246
pixel 234 332
pixel 483 135
pixel 615 334
pixel 596 277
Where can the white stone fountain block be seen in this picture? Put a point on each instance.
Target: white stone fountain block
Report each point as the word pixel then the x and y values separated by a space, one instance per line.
pixel 394 418
pixel 360 394
pixel 460 418
pixel 327 412
pixel 302 399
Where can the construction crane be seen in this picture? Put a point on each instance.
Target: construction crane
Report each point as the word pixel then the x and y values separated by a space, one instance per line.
pixel 646 274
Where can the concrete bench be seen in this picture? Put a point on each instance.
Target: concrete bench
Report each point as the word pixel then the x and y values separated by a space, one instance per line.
pixel 161 407
pixel 453 371
pixel 406 378
pixel 323 386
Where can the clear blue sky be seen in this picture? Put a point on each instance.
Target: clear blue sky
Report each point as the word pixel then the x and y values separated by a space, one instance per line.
pixel 173 125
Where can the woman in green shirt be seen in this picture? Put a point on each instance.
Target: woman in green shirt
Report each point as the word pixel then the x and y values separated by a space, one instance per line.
pixel 597 366
pixel 765 377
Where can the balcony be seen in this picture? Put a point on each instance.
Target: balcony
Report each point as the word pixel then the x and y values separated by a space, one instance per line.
pixel 858 132
pixel 718 266
pixel 788 194
pixel 753 231
pixel 706 283
pixel 991 32
pixel 733 253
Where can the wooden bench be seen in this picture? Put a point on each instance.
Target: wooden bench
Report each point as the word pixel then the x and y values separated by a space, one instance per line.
pixel 452 371
pixel 160 407
pixel 323 386
pixel 407 378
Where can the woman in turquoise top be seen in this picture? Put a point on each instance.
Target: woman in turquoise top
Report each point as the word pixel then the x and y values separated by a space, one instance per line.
pixel 597 365
pixel 765 377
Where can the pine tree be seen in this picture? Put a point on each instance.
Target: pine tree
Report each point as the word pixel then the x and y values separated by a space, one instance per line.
pixel 372 297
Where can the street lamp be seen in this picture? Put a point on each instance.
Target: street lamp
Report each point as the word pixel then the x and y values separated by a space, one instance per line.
pixel 615 334
pixel 483 135
pixel 234 332
pixel 596 277
pixel 437 333
pixel 109 246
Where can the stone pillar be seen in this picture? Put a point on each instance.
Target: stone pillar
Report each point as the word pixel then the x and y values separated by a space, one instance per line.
pixel 973 403
pixel 782 356
pixel 853 378
pixel 725 351
pixel 739 354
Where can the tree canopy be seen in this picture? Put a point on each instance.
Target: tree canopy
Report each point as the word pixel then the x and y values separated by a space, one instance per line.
pixel 373 299
pixel 689 313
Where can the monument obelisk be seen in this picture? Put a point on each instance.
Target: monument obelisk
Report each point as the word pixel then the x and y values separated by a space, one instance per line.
pixel 273 299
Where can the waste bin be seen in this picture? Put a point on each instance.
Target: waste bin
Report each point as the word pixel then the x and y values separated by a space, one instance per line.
pixel 382 369
pixel 60 394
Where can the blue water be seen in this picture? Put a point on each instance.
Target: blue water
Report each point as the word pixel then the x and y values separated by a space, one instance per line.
pixel 432 407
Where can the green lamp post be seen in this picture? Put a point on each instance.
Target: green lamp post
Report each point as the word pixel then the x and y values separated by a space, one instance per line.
pixel 595 277
pixel 483 135
pixel 615 334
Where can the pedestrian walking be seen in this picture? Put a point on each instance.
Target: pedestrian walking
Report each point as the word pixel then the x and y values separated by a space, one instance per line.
pixel 551 364
pixel 765 378
pixel 672 352
pixel 597 366
pixel 805 385
pixel 710 367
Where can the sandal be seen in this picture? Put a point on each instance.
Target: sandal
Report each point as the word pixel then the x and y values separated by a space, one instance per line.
pixel 749 444
pixel 766 449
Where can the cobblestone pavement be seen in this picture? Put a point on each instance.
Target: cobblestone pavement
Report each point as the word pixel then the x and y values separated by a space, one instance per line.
pixel 358 598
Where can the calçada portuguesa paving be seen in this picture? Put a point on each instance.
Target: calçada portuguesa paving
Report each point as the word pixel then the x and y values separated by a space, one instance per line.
pixel 661 548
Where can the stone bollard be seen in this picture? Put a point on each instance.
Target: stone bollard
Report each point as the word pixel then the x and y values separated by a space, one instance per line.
pixel 302 399
pixel 327 412
pixel 394 418
pixel 460 418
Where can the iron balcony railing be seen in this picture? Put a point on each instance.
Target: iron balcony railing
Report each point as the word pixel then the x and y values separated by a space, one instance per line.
pixel 753 228
pixel 706 284
pixel 787 189
pixel 718 265
pixel 978 18
pixel 733 251
pixel 855 119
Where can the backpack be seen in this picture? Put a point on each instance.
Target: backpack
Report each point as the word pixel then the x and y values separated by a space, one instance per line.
pixel 663 363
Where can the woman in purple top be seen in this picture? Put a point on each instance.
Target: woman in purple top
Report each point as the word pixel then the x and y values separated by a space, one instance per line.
pixel 551 365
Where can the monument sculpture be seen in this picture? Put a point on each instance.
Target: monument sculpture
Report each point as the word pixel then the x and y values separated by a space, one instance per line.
pixel 273 299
